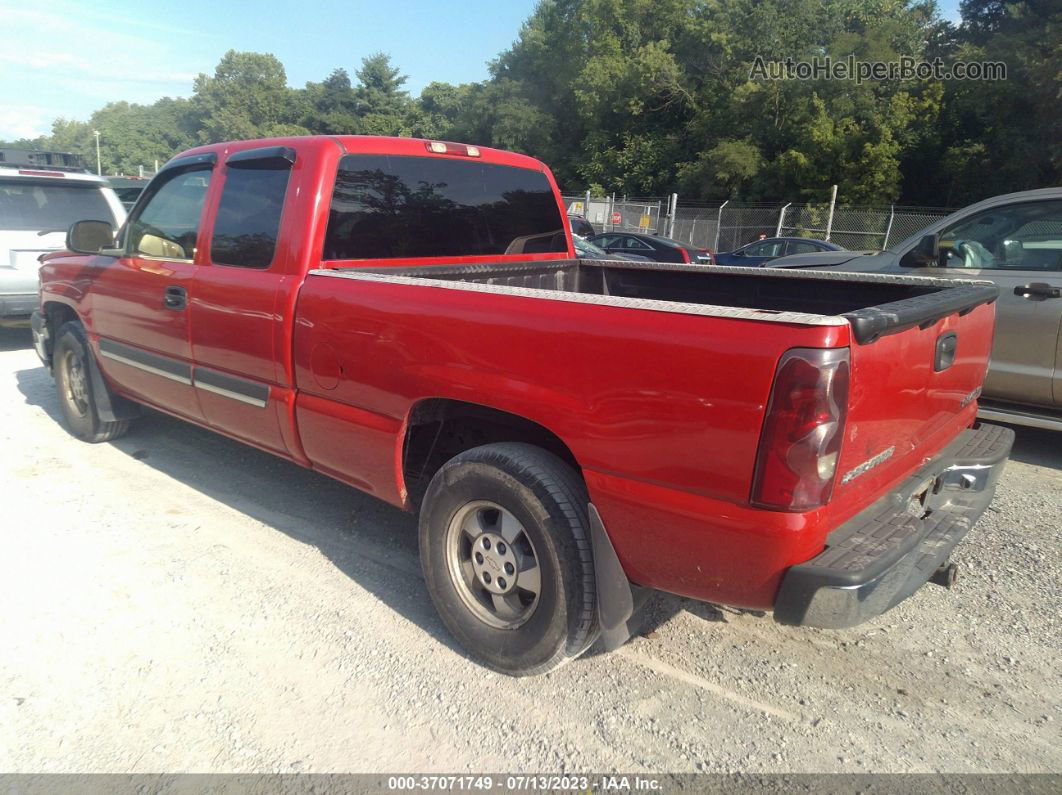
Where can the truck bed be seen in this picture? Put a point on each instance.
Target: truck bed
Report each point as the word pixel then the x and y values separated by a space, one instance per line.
pixel 872 304
pixel 657 378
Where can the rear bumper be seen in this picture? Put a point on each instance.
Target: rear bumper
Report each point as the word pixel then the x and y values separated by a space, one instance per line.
pixel 17 305
pixel 886 553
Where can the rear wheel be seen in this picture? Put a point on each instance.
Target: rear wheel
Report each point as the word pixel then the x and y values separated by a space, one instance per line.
pixel 73 380
pixel 505 547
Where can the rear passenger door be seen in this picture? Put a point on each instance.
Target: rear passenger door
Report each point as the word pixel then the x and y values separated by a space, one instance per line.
pixel 240 301
pixel 759 253
pixel 632 245
pixel 611 243
pixel 801 247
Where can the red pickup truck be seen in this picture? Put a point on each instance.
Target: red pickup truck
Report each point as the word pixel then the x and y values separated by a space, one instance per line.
pixel 408 317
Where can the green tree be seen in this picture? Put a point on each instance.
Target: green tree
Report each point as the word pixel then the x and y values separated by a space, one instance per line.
pixel 247 97
pixel 139 135
pixel 332 105
pixel 722 171
pixel 997 136
pixel 439 108
pixel 383 108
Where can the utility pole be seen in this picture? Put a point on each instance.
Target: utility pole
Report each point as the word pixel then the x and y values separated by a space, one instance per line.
pixel 719 223
pixel 781 220
pixel 99 167
pixel 888 229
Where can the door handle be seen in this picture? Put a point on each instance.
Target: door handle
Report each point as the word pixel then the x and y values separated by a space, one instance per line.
pixel 1038 291
pixel 175 298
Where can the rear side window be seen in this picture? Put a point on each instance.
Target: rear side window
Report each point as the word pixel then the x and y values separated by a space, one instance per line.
pixel 397 207
pixel 35 205
pixel 773 249
pixel 248 220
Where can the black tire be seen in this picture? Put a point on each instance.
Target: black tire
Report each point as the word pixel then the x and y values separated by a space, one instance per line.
pixel 70 363
pixel 549 500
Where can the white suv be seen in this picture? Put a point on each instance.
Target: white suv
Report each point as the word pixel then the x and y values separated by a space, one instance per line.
pixel 37 205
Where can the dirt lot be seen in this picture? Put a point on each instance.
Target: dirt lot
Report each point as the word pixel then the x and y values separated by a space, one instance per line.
pixel 175 601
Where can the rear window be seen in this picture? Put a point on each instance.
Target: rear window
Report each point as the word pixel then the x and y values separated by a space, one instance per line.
pixel 388 207
pixel 27 204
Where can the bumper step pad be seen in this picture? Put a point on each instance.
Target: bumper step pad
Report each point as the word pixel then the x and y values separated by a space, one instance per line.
pixel 886 553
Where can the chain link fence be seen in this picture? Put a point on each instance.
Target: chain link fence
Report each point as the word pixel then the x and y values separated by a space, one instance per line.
pixel 624 214
pixel 733 224
pixel 856 228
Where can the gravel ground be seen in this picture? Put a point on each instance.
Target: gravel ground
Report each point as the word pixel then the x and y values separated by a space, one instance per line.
pixel 175 601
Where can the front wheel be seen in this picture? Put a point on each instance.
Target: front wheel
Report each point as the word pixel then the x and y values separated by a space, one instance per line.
pixel 74 382
pixel 505 547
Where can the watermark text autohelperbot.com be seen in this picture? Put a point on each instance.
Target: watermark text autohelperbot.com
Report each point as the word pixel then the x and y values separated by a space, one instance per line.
pixel 826 67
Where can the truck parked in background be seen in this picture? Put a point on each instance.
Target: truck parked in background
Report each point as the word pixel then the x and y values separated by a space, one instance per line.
pixel 1014 241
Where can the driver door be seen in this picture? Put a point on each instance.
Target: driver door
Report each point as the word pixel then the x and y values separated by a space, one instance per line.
pixel 141 301
pixel 1019 248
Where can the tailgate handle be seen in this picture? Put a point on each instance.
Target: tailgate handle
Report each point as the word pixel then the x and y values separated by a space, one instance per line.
pixel 946 347
pixel 1037 291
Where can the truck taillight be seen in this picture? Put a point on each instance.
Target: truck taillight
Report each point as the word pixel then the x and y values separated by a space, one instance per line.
pixel 797 462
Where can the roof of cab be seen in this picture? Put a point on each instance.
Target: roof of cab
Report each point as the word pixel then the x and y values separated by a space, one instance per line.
pixel 369 144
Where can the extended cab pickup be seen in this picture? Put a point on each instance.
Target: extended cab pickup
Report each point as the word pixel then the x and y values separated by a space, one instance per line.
pixel 408 317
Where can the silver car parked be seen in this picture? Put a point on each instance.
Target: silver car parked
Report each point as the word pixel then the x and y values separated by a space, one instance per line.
pixel 1015 241
pixel 37 206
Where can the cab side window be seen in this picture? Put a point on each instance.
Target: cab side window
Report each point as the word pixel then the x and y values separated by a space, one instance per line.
pixel 1017 237
pixel 168 224
pixel 248 219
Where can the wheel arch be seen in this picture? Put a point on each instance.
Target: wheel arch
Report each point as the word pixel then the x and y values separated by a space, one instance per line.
pixel 56 313
pixel 437 429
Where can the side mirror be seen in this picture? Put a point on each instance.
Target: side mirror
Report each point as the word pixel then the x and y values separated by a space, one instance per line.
pixel 926 254
pixel 89 237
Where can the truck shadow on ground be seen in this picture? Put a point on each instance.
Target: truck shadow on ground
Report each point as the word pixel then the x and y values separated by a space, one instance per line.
pixel 371 542
pixel 15 339
pixel 1038 447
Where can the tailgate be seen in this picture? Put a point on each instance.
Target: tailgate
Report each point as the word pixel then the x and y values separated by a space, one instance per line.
pixel 914 388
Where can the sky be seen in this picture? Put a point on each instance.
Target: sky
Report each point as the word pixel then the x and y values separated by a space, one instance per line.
pixel 68 58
